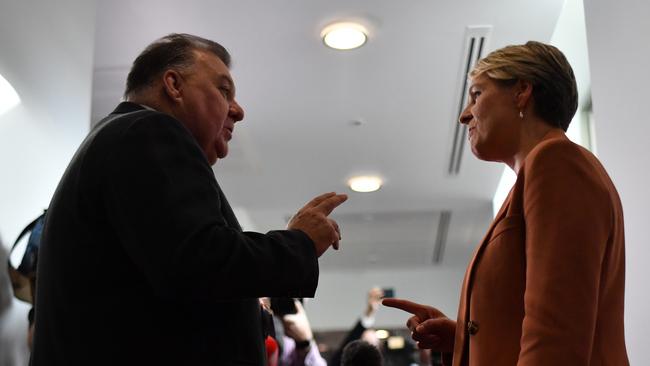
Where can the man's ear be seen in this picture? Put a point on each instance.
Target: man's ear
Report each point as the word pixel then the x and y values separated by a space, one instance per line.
pixel 523 93
pixel 172 84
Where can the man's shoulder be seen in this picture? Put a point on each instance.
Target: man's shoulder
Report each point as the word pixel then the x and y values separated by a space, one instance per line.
pixel 138 128
pixel 133 131
pixel 128 116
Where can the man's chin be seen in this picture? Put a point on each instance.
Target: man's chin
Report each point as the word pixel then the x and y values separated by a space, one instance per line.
pixel 213 158
pixel 221 153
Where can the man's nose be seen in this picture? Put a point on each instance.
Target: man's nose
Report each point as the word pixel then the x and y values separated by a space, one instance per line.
pixel 236 112
pixel 465 116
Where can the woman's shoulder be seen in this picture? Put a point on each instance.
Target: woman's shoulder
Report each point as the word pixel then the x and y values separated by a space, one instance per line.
pixel 558 150
pixel 568 164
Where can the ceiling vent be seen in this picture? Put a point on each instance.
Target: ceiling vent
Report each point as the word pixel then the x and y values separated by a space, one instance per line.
pixel 441 236
pixel 475 44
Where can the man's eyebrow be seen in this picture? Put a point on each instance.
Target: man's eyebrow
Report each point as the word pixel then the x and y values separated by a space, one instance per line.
pixel 228 79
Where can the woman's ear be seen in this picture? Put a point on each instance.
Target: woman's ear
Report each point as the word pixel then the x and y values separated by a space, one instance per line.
pixel 172 84
pixel 523 93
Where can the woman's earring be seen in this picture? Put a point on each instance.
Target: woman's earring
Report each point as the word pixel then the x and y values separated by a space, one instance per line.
pixel 521 114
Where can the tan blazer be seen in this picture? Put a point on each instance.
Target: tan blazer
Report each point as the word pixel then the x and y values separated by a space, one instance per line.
pixel 546 285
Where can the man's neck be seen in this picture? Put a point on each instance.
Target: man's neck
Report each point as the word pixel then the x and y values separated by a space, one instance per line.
pixel 149 102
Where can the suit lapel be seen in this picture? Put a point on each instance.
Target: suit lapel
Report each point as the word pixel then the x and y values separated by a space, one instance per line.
pixel 461 347
pixel 227 211
pixel 486 239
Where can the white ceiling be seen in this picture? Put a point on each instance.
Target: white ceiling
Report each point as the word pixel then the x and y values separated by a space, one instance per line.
pixel 297 139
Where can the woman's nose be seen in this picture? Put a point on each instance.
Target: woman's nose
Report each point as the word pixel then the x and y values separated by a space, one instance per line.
pixel 465 116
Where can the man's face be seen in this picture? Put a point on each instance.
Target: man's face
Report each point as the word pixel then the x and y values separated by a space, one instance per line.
pixel 208 108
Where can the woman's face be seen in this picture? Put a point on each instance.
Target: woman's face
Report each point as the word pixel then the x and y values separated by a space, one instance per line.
pixel 492 118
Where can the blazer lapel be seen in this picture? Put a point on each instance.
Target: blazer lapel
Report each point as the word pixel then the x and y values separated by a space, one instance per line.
pixel 461 347
pixel 227 211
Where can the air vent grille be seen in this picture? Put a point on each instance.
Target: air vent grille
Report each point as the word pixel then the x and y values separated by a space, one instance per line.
pixel 475 44
pixel 441 236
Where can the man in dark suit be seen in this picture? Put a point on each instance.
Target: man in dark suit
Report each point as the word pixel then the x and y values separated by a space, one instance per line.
pixel 142 260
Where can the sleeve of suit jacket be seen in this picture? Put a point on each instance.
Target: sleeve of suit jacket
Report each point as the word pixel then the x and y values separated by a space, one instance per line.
pixel 568 214
pixel 164 203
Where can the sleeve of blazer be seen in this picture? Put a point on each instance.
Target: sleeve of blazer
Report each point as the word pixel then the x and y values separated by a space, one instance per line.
pixel 163 202
pixel 568 216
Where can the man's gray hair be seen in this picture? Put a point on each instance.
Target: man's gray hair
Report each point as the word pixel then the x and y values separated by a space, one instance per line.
pixel 175 50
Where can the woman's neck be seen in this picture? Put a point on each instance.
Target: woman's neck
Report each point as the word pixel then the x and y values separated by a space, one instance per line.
pixel 535 131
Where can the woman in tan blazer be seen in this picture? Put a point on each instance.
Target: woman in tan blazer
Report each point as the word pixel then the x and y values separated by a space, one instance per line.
pixel 546 284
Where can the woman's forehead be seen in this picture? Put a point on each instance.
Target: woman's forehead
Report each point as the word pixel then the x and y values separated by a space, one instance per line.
pixel 477 81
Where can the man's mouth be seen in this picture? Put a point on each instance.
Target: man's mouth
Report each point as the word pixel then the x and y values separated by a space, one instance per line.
pixel 229 131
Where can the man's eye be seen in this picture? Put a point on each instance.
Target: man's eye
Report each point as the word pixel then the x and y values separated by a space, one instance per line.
pixel 225 91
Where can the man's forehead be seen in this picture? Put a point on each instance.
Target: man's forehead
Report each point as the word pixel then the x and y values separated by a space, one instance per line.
pixel 214 63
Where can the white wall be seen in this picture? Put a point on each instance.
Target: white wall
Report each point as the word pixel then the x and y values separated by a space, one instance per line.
pixel 46 50
pixel 617 39
pixel 46 54
pixel 341 296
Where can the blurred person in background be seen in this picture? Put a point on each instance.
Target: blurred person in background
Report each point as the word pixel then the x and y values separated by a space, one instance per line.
pixel 13 319
pixel 299 347
pixel 363 328
pixel 292 334
pixel 361 353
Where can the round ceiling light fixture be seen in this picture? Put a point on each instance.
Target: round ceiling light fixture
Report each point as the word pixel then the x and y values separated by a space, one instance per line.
pixel 344 35
pixel 365 183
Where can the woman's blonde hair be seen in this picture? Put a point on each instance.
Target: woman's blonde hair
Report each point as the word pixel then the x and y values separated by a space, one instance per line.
pixel 545 67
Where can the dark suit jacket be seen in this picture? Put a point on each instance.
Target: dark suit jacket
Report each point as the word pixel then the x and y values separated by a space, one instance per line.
pixel 143 262
pixel 546 285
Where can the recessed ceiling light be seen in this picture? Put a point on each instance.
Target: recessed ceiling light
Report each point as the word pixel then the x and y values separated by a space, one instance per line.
pixel 344 36
pixel 365 183
pixel 8 96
